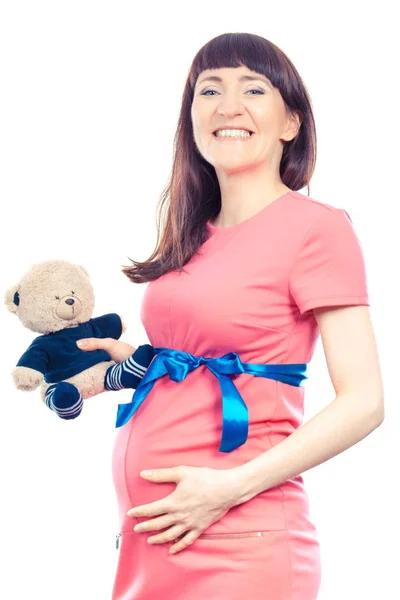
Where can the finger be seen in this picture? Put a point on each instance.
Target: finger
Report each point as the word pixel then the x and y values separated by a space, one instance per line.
pixel 162 475
pixel 151 510
pixel 170 535
pixel 118 351
pixel 155 524
pixel 184 542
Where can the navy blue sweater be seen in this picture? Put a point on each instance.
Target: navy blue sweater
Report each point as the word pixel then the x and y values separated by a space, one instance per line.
pixel 57 356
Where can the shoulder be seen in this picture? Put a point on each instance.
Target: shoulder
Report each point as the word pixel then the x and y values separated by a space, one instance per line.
pixel 40 344
pixel 40 341
pixel 307 212
pixel 310 206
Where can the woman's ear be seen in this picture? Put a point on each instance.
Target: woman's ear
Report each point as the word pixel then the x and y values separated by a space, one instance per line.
pixel 11 298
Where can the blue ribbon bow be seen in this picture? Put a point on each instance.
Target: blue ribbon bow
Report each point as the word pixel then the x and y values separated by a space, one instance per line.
pixel 178 364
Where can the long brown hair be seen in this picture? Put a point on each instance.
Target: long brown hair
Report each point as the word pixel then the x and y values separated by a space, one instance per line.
pixel 192 196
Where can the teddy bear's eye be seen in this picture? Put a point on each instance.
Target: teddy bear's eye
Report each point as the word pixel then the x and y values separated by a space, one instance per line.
pixel 57 297
pixel 73 292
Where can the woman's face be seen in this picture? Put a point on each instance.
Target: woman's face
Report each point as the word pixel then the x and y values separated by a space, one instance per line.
pixel 236 101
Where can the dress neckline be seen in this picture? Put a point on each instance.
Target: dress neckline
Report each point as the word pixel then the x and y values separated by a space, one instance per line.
pixel 231 228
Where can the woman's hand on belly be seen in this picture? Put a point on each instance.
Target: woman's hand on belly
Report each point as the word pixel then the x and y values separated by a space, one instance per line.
pixel 202 496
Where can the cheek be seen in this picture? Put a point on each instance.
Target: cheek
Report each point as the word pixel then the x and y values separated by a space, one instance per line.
pixel 196 127
pixel 200 134
pixel 201 119
pixel 196 117
pixel 198 140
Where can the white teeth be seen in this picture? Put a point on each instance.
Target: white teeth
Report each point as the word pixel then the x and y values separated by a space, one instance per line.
pixel 232 133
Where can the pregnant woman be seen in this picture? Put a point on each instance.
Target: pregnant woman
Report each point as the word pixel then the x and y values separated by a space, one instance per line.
pixel 246 275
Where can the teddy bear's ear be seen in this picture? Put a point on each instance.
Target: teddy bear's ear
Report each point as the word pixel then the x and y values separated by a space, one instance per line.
pixel 11 298
pixel 84 270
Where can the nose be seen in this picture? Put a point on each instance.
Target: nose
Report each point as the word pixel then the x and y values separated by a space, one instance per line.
pixel 230 105
pixel 70 301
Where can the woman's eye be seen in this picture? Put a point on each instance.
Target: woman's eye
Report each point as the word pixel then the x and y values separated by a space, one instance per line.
pixel 205 93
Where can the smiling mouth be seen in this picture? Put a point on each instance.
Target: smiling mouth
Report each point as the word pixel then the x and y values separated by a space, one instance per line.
pixel 215 134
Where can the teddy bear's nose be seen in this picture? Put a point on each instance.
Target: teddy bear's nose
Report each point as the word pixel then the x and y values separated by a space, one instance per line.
pixel 70 301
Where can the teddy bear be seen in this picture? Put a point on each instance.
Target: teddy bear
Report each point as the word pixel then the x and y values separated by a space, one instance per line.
pixel 56 299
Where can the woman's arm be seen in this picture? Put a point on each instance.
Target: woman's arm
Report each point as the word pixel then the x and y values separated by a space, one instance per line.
pixel 352 358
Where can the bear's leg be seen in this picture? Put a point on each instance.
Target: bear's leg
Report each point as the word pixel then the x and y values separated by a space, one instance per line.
pixel 65 399
pixel 128 373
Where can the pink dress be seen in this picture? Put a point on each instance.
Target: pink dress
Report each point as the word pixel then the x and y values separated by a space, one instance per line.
pixel 250 290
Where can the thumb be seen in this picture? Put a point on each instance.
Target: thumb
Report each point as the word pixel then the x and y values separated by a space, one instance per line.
pixel 89 344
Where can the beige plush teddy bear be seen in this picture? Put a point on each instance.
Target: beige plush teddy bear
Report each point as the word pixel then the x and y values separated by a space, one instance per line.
pixel 56 299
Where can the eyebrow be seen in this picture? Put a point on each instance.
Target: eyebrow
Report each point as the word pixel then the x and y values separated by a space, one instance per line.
pixel 242 78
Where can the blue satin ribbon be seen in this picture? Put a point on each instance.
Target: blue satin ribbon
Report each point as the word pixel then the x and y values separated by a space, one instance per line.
pixel 235 421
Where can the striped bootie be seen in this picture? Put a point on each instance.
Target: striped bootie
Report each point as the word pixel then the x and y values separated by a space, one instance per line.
pixel 127 374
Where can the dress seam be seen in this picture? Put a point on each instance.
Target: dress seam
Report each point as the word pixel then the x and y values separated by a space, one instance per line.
pixel 335 296
pixel 289 339
pixel 125 468
pixel 275 400
pixel 169 314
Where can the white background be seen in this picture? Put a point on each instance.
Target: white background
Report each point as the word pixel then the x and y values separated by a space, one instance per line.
pixel 90 95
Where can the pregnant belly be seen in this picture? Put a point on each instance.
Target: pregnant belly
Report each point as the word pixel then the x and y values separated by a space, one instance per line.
pixel 175 431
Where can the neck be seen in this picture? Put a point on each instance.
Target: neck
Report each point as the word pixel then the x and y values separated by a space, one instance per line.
pixel 245 193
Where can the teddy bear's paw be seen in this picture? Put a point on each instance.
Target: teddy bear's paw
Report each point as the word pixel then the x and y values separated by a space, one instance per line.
pixel 65 399
pixel 26 379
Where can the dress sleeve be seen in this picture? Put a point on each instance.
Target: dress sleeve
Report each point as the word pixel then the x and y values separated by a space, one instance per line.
pixel 329 269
